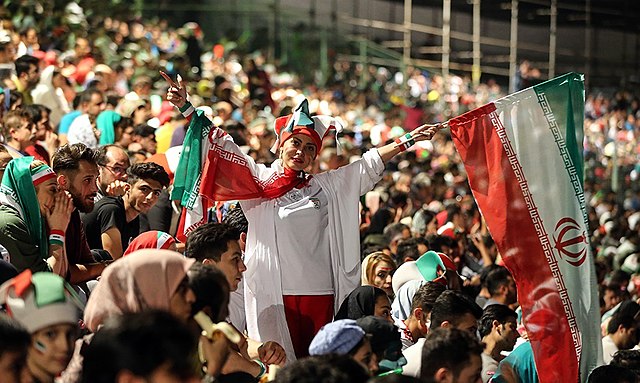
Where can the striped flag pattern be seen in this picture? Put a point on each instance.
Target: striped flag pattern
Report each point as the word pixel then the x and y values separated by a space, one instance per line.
pixel 524 160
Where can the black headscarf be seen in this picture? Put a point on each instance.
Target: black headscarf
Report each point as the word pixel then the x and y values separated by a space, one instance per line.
pixel 359 303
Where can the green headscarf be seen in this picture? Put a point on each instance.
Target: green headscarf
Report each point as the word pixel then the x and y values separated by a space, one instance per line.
pixel 105 123
pixel 18 191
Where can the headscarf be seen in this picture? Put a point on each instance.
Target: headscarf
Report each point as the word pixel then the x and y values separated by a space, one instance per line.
pixel 152 239
pixel 376 257
pixel 19 192
pixel 401 306
pixel 145 279
pixel 359 303
pixel 45 93
pixel 106 122
pixel 429 267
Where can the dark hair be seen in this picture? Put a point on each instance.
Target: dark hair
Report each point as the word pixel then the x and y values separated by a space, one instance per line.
pixel 450 306
pixel 85 96
pixel 210 241
pixel 626 316
pixel 35 112
pixel 628 359
pixel 13 337
pixel 139 343
pixel 236 218
pixel 329 368
pixel 393 230
pixel 496 279
pixel 211 289
pixel 68 157
pixel 148 170
pixel 144 130
pixel 452 210
pixel 427 295
pixel 407 248
pixel 436 242
pixel 24 63
pixel 235 129
pixel 498 312
pixel 448 348
pixel 619 277
pixel 610 373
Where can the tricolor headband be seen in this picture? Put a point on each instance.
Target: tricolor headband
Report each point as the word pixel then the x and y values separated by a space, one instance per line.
pixel 41 174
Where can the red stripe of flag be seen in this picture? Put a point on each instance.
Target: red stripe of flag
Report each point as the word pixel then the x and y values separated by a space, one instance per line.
pixel 499 195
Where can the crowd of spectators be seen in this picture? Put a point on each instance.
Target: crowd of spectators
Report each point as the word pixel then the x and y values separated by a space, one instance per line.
pixel 90 149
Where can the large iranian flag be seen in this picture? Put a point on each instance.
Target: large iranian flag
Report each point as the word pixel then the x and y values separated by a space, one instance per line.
pixel 523 156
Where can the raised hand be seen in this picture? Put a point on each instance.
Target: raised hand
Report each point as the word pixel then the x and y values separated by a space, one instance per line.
pixel 60 215
pixel 177 93
pixel 426 132
pixel 117 188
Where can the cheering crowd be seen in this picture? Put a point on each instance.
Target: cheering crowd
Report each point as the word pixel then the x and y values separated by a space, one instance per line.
pixel 326 233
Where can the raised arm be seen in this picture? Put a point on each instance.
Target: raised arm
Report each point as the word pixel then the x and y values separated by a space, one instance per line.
pixel 421 133
pixel 177 92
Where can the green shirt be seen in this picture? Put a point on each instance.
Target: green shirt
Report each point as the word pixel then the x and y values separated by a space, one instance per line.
pixel 22 247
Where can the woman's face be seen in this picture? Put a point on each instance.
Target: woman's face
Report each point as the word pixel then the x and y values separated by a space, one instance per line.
pixel 51 349
pixel 298 152
pixel 46 193
pixel 382 277
pixel 366 357
pixel 382 308
pixel 181 301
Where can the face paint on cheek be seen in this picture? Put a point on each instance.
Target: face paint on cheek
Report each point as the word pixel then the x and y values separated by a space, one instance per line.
pixel 40 346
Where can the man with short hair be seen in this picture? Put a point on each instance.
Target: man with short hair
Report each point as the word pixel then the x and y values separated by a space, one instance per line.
pixel 83 128
pixel 622 330
pixel 77 168
pixel 452 309
pixel 451 355
pixel 416 326
pixel 498 331
pixel 145 136
pixel 45 142
pixel 27 77
pixel 112 178
pixel 501 287
pixel 18 132
pixel 396 232
pixel 114 221
pixel 217 244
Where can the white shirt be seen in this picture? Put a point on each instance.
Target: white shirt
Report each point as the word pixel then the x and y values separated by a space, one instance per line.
pixel 608 349
pixel 413 355
pixel 303 242
pixel 81 130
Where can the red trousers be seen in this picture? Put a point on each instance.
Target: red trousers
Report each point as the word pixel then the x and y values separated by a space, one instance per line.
pixel 306 314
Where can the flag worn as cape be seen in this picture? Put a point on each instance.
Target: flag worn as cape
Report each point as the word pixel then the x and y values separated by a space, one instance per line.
pixel 213 168
pixel 523 156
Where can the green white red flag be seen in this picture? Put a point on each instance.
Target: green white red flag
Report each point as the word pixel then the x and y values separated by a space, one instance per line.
pixel 523 156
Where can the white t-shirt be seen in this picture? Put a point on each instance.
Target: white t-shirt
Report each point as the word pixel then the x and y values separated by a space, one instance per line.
pixel 303 241
pixel 413 355
pixel 608 349
pixel 81 131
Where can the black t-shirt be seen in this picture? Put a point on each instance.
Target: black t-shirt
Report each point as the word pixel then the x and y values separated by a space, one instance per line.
pixel 109 212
